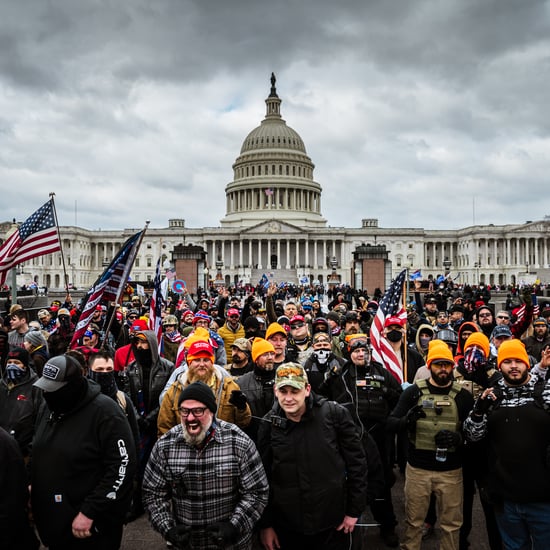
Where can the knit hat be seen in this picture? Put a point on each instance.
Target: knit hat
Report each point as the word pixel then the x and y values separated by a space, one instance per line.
pixel 541 321
pixel 259 347
pixel 201 315
pixel 200 334
pixel 438 351
pixel 478 339
pixel 19 354
pixel 35 338
pixel 333 316
pixel 513 349
pixel 200 349
pixel 274 328
pixel 199 391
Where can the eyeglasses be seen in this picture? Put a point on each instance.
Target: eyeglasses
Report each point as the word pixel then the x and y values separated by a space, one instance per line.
pixel 503 317
pixel 485 315
pixel 296 325
pixel 197 411
pixel 233 317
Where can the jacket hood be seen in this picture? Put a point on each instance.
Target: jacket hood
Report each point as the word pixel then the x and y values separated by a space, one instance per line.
pixel 424 327
pixel 467 325
pixel 153 344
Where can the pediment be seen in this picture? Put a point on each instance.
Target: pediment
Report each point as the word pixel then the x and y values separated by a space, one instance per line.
pixel 273 227
pixel 542 226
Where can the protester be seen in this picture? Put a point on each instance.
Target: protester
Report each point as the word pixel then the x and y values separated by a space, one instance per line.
pixel 204 483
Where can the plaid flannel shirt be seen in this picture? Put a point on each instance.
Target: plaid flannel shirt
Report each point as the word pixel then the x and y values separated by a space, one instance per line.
pixel 224 481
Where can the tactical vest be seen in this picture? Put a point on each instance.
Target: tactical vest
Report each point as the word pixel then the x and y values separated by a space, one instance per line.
pixel 441 414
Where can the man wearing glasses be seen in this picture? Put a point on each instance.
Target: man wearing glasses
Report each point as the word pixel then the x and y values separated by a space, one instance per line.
pixel 231 330
pixel 486 320
pixel 299 344
pixel 204 484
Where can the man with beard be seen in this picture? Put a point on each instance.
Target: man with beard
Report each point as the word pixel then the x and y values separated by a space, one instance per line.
pixel 83 462
pixel 513 416
pixel 240 353
pixel 231 404
pixel 485 319
pixel 143 380
pixel 540 338
pixel 204 484
pixel 257 385
pixel 231 330
pixel 432 412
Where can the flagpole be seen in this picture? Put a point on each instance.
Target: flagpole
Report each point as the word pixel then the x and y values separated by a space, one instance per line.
pixel 123 282
pixel 405 285
pixel 65 275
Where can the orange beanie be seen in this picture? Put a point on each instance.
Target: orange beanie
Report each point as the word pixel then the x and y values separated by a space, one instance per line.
pixel 513 349
pixel 478 339
pixel 439 350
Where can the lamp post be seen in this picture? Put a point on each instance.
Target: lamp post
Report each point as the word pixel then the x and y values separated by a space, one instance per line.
pixel 205 272
pixel 447 265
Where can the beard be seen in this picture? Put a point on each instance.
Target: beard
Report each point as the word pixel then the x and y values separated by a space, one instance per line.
pixel 193 440
pixel 193 375
pixel 516 381
pixel 442 378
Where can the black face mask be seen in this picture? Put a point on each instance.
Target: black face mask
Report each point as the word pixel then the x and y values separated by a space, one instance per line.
pixel 394 335
pixel 66 398
pixel 106 381
pixel 143 357
pixel 64 322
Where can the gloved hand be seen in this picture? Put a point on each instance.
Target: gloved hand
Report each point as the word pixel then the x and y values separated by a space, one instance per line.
pixel 143 424
pixel 482 406
pixel 179 535
pixel 446 439
pixel 238 399
pixel 414 414
pixel 223 532
pixel 527 297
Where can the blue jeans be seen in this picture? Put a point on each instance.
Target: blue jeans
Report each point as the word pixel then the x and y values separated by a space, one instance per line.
pixel 524 526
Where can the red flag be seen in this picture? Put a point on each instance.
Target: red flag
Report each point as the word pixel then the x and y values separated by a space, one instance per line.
pixel 35 237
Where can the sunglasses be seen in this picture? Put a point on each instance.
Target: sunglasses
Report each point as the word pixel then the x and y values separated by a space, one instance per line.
pixel 361 344
pixel 296 325
pixel 503 317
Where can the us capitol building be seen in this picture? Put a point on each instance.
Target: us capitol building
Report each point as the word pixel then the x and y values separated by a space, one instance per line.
pixel 274 225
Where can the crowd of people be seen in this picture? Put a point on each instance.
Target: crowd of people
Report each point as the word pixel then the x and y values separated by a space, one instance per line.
pixel 264 420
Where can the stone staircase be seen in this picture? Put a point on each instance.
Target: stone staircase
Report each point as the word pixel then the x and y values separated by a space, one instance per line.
pixel 275 275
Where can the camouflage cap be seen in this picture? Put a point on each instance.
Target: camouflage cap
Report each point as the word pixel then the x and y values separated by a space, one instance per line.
pixel 291 374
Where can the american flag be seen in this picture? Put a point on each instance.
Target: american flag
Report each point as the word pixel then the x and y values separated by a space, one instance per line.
pixel 35 237
pixel 269 191
pixel 106 288
pixel 155 308
pixel 391 305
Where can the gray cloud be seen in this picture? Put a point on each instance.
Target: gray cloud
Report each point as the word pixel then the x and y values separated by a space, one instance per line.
pixel 411 111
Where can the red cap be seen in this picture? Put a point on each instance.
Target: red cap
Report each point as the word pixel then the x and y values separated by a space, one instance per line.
pixel 233 311
pixel 138 325
pixel 297 319
pixel 394 320
pixel 200 349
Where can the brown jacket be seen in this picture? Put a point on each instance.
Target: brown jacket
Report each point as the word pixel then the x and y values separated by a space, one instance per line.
pixel 222 388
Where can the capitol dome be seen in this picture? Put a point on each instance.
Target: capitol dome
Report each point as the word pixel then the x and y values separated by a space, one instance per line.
pixel 273 176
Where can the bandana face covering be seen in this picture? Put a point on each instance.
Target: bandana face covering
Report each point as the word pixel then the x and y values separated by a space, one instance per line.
pixel 474 359
pixel 322 356
pixel 14 372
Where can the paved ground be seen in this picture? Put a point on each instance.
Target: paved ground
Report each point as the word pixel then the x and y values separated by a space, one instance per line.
pixel 140 536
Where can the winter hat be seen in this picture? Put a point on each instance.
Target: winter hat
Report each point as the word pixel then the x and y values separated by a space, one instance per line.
pixel 333 316
pixel 513 349
pixel 200 349
pixel 478 339
pixel 274 328
pixel 259 347
pixel 35 338
pixel 19 354
pixel 200 334
pixel 438 351
pixel 139 325
pixel 199 391
pixel 201 315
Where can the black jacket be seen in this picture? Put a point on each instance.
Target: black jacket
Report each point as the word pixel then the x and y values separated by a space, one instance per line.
pixel 316 467
pixel 19 406
pixel 83 462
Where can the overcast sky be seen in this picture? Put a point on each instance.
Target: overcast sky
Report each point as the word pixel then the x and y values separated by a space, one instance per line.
pixel 412 111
